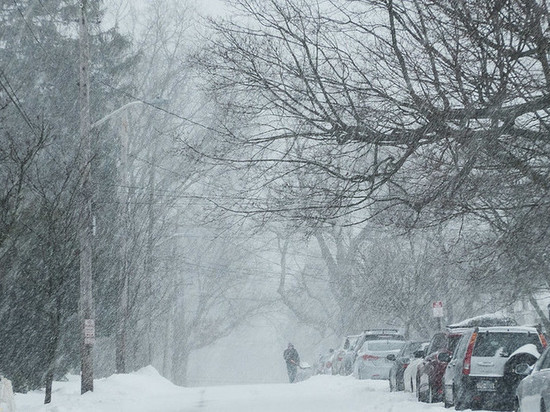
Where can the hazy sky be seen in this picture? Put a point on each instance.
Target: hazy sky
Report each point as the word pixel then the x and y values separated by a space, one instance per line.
pixel 211 6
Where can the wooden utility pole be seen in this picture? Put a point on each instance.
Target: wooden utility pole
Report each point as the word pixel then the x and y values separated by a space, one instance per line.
pixel 86 304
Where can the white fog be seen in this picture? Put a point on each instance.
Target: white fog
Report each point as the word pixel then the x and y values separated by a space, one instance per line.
pixel 274 205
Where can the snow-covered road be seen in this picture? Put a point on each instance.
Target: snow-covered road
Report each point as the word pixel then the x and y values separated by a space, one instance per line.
pixel 146 391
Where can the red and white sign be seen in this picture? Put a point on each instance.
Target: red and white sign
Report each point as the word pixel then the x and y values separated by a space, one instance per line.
pixel 437 309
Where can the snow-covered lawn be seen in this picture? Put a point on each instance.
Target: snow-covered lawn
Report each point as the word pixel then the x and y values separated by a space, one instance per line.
pixel 147 391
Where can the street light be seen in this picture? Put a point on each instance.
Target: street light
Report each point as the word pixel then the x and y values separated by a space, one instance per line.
pixel 87 231
pixel 154 102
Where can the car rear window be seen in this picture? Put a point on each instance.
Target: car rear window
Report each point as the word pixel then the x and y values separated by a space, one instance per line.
pixel 384 345
pixel 491 344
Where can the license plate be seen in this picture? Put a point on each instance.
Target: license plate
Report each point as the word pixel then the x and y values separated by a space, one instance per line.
pixel 486 386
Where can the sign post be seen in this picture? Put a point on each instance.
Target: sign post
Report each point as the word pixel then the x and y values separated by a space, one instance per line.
pixel 437 311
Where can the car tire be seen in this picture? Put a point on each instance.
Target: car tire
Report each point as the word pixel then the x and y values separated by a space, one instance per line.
pixel 430 396
pixel 420 395
pixel 460 403
pixel 542 406
pixel 399 386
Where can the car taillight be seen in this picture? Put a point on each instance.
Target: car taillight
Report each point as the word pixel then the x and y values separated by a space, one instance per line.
pixel 468 358
pixel 372 357
pixel 405 365
pixel 543 340
pixel 340 358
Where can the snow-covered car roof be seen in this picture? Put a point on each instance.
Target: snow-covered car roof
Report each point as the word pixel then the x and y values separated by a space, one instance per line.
pixel 487 320
pixel 516 329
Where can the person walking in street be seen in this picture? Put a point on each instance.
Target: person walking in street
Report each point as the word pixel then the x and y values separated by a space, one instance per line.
pixel 292 359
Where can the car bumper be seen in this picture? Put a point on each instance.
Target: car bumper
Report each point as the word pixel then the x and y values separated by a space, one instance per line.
pixel 369 371
pixel 490 391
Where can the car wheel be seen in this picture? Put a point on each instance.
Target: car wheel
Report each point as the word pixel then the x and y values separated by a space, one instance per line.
pixel 460 402
pixel 446 402
pixel 542 406
pixel 391 385
pixel 430 397
pixel 399 385
pixel 419 394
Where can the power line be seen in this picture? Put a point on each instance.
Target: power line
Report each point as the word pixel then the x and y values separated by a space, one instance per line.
pixel 5 85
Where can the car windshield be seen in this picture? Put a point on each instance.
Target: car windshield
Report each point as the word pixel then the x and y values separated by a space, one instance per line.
pixel 353 342
pixel 491 344
pixel 383 345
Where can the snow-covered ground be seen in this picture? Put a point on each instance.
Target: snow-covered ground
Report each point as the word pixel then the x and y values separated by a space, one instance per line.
pixel 147 391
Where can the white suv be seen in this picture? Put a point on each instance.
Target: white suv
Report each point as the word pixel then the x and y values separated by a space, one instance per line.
pixel 481 370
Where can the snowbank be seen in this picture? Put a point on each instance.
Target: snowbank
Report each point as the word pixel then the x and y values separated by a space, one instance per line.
pixel 147 391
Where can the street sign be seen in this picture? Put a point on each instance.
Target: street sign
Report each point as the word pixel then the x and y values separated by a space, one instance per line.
pixel 437 309
pixel 89 331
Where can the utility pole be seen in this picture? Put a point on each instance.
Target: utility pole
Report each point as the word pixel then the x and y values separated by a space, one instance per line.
pixel 85 232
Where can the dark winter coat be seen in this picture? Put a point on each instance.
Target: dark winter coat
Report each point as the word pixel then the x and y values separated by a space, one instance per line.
pixel 291 356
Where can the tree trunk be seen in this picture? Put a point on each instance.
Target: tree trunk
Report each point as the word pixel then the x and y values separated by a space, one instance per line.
pixel 180 364
pixel 49 382
pixel 51 352
pixel 149 256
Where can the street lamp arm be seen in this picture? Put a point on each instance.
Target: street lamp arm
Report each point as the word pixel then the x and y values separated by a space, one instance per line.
pixel 120 109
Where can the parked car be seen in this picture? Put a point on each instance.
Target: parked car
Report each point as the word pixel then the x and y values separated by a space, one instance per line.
pixel 429 376
pixel 533 392
pixel 409 376
pixel 372 359
pixel 481 372
pixel 401 362
pixel 350 355
pixel 368 335
pixel 323 366
pixel 342 362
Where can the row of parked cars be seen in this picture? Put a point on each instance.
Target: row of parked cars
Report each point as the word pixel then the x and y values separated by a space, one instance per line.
pixel 364 355
pixel 484 362
pixel 476 364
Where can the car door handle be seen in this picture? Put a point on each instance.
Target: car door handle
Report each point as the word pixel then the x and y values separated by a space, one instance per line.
pixel 486 363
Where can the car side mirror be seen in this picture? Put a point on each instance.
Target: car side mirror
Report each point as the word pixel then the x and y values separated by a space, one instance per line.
pixel 418 354
pixel 391 357
pixel 444 357
pixel 523 369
